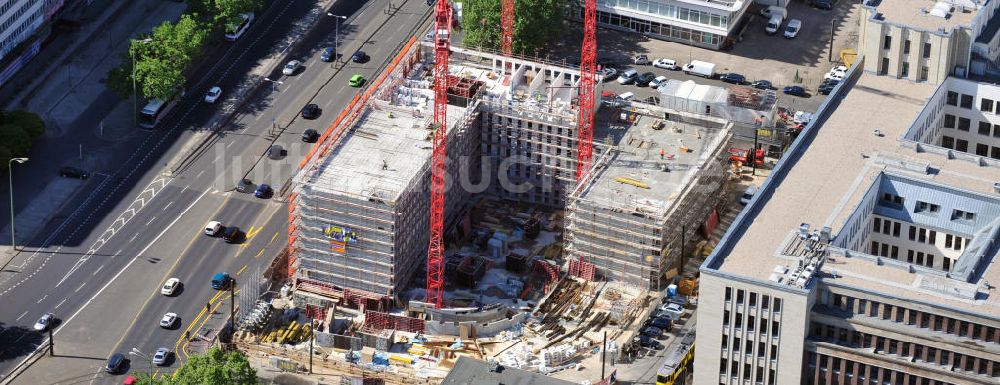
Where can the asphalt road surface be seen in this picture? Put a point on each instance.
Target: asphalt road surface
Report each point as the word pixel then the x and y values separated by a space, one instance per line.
pixel 133 228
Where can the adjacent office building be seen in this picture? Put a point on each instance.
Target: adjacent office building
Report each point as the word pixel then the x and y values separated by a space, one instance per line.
pixel 23 22
pixel 868 257
pixel 704 23
pixel 927 40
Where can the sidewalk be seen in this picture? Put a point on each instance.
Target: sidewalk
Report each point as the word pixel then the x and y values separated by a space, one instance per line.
pixel 84 120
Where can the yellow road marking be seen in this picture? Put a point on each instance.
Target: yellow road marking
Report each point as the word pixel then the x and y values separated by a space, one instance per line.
pixel 241 270
pixel 204 321
pixel 253 232
pixel 196 318
pixel 259 253
pixel 275 236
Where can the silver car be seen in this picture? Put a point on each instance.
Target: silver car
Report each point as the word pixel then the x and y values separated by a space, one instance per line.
pixel 44 322
pixel 160 357
pixel 291 67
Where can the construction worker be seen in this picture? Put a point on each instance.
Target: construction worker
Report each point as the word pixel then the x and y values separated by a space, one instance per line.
pixel 662 153
pixel 385 165
pixel 208 307
pixel 187 334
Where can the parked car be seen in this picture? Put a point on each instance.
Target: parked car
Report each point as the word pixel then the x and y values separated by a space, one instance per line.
pixel 263 191
pixel 667 64
pixel 641 60
pixel 659 80
pixel 795 91
pixel 45 322
pixel 244 185
pixel 168 320
pixel 311 111
pixel 644 79
pixel 115 363
pixel 647 342
pixel 827 86
pixel 291 67
pixel 605 62
pixel 675 310
pixel 700 68
pixel 652 332
pixel 747 195
pixel 360 57
pixel 160 357
pixel 626 96
pixel 822 4
pixel 663 323
pixel 769 11
pixel 628 76
pixel 213 94
pixel 836 73
pixel 762 85
pixel 356 80
pixel 328 54
pixel 73 172
pixel 170 286
pixel 310 135
pixel 792 29
pixel 774 24
pixel 733 78
pixel 608 74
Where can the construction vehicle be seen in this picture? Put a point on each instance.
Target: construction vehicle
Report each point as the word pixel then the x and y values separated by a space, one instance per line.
pixel 741 155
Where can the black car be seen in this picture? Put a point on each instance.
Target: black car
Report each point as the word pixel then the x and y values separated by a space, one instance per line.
pixel 116 363
pixel 245 185
pixel 795 90
pixel 310 135
pixel 822 4
pixel 328 54
pixel 609 74
pixel 647 342
pixel 663 323
pixel 762 85
pixel 360 57
pixel 311 111
pixel 652 332
pixel 644 79
pixel 231 234
pixel 73 172
pixel 733 78
pixel 826 88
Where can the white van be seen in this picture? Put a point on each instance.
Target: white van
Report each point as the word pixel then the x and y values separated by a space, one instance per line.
pixel 774 24
pixel 700 68
pixel 628 76
pixel 235 30
pixel 627 96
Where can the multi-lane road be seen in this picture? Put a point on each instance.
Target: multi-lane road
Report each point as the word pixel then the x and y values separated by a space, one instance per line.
pixel 133 228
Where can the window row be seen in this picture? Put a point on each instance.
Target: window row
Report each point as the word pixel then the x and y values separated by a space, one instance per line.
pixel 910 317
pixel 912 351
pixel 959 100
pixel 964 124
pixel 765 300
pixel 963 146
pixel 847 372
pixel 669 11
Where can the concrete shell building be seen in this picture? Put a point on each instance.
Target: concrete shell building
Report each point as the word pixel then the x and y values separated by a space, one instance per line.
pixel 358 215
pixel 869 256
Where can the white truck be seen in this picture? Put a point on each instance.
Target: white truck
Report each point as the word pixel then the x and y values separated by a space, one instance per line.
pixel 700 68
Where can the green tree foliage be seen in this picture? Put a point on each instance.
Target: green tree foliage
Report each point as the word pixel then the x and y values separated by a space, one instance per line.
pixel 30 122
pixel 228 11
pixel 535 23
pixel 212 367
pixel 15 139
pixel 180 43
pixel 158 78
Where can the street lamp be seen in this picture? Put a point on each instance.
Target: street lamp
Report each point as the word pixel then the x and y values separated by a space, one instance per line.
pixel 274 88
pixel 10 172
pixel 137 352
pixel 135 97
pixel 336 34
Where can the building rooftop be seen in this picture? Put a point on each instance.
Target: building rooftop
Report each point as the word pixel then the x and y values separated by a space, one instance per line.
pixel 826 185
pixel 924 14
pixel 470 371
pixel 635 175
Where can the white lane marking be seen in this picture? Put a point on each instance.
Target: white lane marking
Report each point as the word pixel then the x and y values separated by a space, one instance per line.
pixel 81 287
pixel 98 269
pixel 60 303
pixel 168 205
pixel 184 189
pixel 21 316
pixel 227 146
pixel 129 241
pixel 150 220
pixel 199 174
pixel 42 299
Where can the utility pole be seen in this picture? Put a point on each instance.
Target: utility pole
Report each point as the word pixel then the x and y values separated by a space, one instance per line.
pixel 604 354
pixel 683 231
pixel 753 152
pixel 232 310
pixel 52 342
pixel 312 336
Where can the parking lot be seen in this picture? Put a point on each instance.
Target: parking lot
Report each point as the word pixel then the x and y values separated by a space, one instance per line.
pixel 758 56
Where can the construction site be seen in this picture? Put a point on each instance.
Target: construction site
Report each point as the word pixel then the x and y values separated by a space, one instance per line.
pixel 552 251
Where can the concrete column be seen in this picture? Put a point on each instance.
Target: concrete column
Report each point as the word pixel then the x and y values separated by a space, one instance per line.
pixel 975 363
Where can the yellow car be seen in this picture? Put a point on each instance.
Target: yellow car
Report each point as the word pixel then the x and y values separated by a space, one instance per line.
pixel 356 81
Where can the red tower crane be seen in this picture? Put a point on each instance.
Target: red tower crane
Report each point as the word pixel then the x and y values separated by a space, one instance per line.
pixel 435 251
pixel 588 73
pixel 507 27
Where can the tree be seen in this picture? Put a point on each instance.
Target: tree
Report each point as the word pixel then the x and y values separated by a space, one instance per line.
pixel 30 122
pixel 212 367
pixel 228 11
pixel 158 79
pixel 180 43
pixel 15 139
pixel 535 23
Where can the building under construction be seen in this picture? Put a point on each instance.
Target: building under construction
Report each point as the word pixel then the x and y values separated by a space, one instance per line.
pixel 359 208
